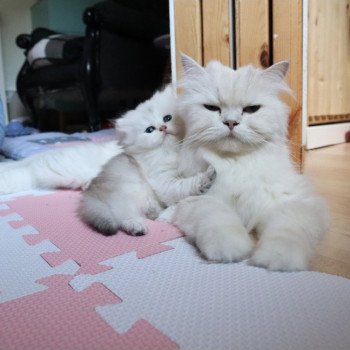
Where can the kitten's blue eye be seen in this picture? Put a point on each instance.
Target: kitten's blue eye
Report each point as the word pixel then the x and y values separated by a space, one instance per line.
pixel 213 108
pixel 150 129
pixel 167 118
pixel 251 109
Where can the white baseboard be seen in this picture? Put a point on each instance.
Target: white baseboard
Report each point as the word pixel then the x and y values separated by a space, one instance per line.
pixel 326 135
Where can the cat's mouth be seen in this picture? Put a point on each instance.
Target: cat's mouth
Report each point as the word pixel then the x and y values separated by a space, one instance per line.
pixel 231 134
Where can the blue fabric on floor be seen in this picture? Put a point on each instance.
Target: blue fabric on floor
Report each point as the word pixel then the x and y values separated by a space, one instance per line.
pixel 15 128
pixel 24 146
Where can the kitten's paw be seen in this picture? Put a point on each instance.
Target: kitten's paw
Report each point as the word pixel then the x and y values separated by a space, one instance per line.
pixel 207 179
pixel 280 254
pixel 134 226
pixel 225 246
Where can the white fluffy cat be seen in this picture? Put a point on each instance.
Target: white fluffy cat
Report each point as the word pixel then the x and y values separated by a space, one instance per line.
pixel 235 121
pixel 144 179
pixel 72 167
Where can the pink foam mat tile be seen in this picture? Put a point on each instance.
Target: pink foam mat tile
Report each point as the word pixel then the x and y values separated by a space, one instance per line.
pixel 59 318
pixel 21 265
pixel 210 306
pixel 152 292
pixel 54 218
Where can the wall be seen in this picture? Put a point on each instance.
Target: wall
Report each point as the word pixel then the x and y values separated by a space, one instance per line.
pixel 15 19
pixel 64 16
pixel 2 84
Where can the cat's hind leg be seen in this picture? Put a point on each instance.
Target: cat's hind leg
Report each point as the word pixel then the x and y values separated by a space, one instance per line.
pixel 134 225
pixel 107 217
pixel 289 234
pixel 214 228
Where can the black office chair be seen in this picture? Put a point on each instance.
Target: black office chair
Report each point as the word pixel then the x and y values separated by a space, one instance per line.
pixel 113 67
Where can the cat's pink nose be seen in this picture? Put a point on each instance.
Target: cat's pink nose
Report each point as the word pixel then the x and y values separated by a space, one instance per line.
pixel 231 124
pixel 163 128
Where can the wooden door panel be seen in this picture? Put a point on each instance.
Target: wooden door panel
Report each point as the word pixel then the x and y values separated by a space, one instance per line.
pixel 216 31
pixel 252 33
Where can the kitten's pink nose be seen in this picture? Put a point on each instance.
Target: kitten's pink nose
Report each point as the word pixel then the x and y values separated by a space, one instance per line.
pixel 231 124
pixel 163 128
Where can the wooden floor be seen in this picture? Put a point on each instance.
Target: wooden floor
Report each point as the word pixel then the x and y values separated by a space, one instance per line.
pixel 329 169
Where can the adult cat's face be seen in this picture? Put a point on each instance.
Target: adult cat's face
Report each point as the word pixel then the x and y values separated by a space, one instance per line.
pixel 233 111
pixel 151 124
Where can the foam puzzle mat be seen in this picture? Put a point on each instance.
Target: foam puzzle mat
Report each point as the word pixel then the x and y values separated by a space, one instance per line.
pixel 63 286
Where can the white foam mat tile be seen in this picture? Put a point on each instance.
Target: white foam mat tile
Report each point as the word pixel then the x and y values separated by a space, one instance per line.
pixel 13 196
pixel 20 264
pixel 202 305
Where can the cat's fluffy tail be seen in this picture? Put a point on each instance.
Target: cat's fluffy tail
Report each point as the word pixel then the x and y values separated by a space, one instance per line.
pixel 72 168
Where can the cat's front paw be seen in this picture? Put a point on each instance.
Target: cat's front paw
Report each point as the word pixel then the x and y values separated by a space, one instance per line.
pixel 280 254
pixel 225 246
pixel 207 179
pixel 134 226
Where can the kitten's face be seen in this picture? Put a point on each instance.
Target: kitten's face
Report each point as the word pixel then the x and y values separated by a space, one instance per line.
pixel 151 125
pixel 233 111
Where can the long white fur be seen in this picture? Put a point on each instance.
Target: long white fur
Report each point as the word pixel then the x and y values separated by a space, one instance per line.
pixel 145 178
pixel 71 167
pixel 257 187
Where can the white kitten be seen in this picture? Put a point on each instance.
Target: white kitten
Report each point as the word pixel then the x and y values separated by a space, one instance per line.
pixel 145 178
pixel 236 122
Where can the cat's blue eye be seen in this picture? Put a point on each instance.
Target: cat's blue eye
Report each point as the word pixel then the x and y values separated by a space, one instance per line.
pixel 150 129
pixel 251 109
pixel 167 118
pixel 212 108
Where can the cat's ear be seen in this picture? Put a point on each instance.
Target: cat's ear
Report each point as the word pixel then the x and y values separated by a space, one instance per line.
pixel 278 71
pixel 191 68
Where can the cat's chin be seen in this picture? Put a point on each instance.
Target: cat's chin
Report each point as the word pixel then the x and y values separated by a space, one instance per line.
pixel 168 138
pixel 231 144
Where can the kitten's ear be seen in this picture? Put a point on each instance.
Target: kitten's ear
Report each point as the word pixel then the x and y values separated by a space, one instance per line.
pixel 277 71
pixel 191 68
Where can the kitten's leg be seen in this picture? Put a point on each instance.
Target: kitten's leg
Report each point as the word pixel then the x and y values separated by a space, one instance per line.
pixel 289 234
pixel 132 219
pixel 214 227
pixel 171 190
pixel 71 167
pixel 202 182
pixel 108 216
